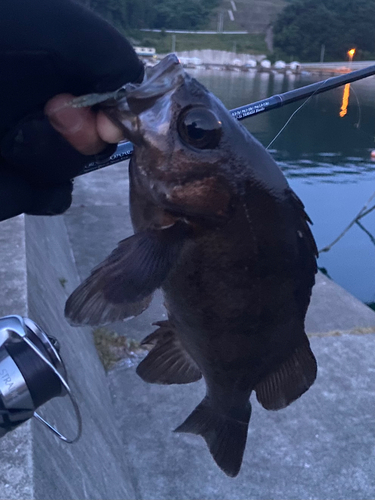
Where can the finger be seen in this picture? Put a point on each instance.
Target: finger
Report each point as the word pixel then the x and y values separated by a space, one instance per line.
pixel 107 130
pixel 77 125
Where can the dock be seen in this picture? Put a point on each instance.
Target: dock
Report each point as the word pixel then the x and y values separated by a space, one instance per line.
pixel 335 68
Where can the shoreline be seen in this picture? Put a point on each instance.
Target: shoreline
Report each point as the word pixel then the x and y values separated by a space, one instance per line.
pixel 232 61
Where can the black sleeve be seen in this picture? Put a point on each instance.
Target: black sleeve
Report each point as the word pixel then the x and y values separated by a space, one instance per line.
pixel 49 47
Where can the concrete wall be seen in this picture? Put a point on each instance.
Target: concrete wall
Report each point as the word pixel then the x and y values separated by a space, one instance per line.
pixel 37 273
pixel 218 56
pixel 16 474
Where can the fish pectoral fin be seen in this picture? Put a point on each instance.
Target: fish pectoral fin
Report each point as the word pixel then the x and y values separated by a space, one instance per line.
pixel 122 285
pixel 286 384
pixel 89 307
pixel 167 362
pixel 225 436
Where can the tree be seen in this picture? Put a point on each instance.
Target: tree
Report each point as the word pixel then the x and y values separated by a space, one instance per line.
pixel 112 10
pixel 157 14
pixel 182 15
pixel 304 25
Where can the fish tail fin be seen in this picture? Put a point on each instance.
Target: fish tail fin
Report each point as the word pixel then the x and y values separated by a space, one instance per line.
pixel 224 434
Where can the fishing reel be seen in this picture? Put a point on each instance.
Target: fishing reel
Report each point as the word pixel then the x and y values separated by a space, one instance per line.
pixel 31 373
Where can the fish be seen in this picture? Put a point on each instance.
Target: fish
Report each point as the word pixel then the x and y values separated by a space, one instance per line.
pixel 219 230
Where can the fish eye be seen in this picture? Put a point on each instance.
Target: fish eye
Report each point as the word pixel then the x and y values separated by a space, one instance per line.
pixel 200 128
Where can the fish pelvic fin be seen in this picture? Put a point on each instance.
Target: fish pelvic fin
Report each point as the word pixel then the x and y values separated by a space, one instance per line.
pixel 225 436
pixel 168 362
pixel 291 379
pixel 122 285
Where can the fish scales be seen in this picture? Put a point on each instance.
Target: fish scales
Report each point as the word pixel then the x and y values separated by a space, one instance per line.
pixel 220 231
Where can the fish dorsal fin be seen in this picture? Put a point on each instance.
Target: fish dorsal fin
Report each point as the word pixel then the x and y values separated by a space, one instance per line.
pixel 286 384
pixel 167 362
pixel 122 285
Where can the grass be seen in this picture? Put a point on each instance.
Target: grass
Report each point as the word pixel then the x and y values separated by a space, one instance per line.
pixel 63 282
pixel 244 44
pixel 113 347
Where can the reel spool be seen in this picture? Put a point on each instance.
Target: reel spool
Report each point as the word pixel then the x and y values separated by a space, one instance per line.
pixel 31 373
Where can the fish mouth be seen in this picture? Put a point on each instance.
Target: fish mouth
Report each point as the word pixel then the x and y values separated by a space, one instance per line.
pixel 124 105
pixel 160 79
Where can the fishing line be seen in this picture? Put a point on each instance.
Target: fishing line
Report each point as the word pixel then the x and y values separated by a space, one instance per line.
pixel 366 231
pixel 364 211
pixel 125 150
pixel 358 124
pixel 295 112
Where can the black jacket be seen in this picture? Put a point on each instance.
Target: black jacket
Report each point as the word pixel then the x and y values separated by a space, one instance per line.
pixel 48 47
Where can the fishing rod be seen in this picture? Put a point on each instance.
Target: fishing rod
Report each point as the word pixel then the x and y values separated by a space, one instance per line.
pixel 124 150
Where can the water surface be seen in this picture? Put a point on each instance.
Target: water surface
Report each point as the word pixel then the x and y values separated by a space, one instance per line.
pixel 326 159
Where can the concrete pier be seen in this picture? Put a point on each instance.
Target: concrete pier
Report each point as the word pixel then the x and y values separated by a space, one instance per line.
pixel 321 447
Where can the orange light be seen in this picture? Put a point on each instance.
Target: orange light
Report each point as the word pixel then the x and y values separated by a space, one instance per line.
pixel 345 100
pixel 351 52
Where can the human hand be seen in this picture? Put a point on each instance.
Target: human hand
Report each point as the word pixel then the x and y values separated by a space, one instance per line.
pixel 89 132
pixel 51 50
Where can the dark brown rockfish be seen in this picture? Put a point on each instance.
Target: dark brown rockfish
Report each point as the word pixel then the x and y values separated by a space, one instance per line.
pixel 219 230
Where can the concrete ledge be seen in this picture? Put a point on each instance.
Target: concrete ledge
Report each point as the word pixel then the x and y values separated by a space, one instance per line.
pixel 333 308
pixel 16 473
pixel 319 447
pixel 34 463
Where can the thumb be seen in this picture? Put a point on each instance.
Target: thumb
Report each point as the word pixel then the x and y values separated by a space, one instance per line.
pixel 86 131
pixel 76 125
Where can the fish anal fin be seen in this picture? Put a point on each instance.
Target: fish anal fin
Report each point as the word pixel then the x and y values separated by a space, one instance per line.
pixel 286 384
pixel 168 362
pixel 225 436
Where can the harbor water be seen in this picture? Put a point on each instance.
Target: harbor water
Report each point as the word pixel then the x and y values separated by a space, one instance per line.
pixel 326 158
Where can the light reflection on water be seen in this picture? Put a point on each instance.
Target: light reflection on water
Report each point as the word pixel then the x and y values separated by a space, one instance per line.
pixel 335 168
pixel 325 158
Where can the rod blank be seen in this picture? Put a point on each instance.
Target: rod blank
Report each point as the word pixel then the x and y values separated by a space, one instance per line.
pixel 124 150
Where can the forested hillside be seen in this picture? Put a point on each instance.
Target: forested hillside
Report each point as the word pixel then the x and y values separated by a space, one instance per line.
pixel 300 27
pixel 305 25
pixel 254 16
